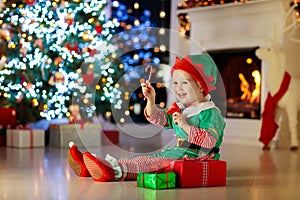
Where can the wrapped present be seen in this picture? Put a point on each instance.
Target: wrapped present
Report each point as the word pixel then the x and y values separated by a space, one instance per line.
pixel 25 138
pixel 110 137
pixel 156 180
pixel 8 118
pixel 83 135
pixel 191 173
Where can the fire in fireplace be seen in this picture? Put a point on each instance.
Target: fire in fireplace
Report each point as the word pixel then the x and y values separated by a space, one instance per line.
pixel 240 70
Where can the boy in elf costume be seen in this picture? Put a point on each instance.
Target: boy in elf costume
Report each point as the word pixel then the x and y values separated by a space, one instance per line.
pixel 197 123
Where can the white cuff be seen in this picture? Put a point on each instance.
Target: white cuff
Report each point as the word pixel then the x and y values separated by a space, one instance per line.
pixel 114 163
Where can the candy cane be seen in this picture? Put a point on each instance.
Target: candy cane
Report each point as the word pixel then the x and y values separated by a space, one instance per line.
pixel 149 78
pixel 150 74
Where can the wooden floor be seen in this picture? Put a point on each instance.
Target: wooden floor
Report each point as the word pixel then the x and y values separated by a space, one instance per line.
pixel 43 173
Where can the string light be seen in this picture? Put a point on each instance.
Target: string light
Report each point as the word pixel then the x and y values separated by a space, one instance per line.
pixel 184 22
pixel 39 23
pixel 183 4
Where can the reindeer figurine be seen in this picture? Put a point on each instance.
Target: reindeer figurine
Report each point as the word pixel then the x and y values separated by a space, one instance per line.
pixel 283 94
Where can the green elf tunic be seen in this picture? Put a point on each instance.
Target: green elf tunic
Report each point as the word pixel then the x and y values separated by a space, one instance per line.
pixel 206 116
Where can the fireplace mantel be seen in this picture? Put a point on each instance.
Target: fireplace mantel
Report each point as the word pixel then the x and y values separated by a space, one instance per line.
pixel 235 25
pixel 229 26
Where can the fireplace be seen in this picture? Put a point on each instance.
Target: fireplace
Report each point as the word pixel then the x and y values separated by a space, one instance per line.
pixel 240 70
pixel 233 29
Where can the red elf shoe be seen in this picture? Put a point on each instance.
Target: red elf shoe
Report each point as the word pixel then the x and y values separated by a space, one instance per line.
pixel 75 158
pixel 100 170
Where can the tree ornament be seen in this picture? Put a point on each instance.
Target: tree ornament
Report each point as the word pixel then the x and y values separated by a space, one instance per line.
pixel 23 51
pixel 92 52
pixel 59 77
pixel 29 2
pixel 23 78
pixel 85 36
pixel 39 43
pixel 88 78
pixel 74 47
pixel 75 113
pixel 98 28
pixel 57 61
pixel 24 81
pixel 69 19
pixel 51 80
pixel 56 77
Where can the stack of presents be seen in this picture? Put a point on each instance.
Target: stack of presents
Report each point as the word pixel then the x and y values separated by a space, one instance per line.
pixel 85 134
pixel 185 173
pixel 14 135
pixel 82 133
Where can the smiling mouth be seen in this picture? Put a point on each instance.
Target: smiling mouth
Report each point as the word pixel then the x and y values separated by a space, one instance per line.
pixel 181 95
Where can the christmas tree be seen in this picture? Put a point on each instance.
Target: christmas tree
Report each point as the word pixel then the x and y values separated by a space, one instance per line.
pixel 64 58
pixel 44 45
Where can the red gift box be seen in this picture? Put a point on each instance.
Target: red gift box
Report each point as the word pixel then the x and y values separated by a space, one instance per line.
pixel 110 137
pixel 200 173
pixel 8 118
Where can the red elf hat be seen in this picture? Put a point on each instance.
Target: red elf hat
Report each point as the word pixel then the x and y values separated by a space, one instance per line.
pixel 201 68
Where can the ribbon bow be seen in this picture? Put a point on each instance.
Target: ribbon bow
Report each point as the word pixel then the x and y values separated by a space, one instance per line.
pixel 25 127
pixel 200 158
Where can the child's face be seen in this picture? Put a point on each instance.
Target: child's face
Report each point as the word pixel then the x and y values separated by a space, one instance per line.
pixel 186 89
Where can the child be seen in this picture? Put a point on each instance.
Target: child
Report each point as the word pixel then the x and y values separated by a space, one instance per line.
pixel 197 123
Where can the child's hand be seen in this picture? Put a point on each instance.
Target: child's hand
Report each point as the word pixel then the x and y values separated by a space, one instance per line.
pixel 179 119
pixel 148 91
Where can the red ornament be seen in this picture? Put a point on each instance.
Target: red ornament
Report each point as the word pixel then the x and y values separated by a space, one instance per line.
pixel 39 42
pixel 30 2
pixel 59 77
pixel 23 77
pixel 74 47
pixel 92 51
pixel 69 19
pixel 98 28
pixel 58 60
pixel 88 78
